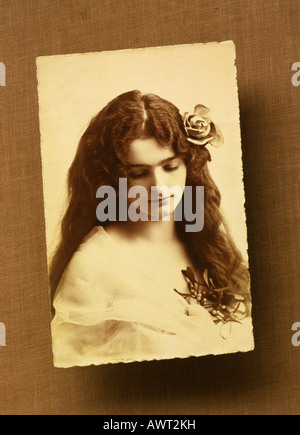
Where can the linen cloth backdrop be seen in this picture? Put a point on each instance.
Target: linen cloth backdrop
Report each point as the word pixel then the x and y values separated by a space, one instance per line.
pixel 266 381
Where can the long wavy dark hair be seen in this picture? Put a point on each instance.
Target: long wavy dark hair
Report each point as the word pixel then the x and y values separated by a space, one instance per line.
pixel 101 159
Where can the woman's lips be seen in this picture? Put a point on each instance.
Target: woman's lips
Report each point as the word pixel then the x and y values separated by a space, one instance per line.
pixel 161 199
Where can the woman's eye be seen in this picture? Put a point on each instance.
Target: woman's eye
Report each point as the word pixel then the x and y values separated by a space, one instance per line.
pixel 137 174
pixel 171 168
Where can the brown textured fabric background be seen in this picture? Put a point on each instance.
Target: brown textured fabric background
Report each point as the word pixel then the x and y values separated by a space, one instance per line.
pixel 266 381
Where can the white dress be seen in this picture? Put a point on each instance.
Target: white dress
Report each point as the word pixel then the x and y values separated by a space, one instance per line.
pixel 103 314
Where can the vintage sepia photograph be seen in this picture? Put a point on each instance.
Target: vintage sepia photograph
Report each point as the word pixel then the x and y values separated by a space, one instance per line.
pixel 144 204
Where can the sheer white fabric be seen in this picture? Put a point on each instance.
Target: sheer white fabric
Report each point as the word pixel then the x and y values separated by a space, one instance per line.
pixel 109 310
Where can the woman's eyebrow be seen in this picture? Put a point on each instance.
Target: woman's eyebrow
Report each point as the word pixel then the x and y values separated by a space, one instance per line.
pixel 162 162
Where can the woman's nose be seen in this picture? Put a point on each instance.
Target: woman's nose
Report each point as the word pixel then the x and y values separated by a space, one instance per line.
pixel 158 178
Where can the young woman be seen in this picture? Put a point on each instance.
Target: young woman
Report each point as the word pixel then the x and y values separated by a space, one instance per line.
pixel 141 289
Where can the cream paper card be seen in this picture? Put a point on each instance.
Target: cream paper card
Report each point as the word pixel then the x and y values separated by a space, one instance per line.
pixel 120 292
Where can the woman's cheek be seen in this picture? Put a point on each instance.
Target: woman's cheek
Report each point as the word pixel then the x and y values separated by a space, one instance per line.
pixel 136 182
pixel 180 178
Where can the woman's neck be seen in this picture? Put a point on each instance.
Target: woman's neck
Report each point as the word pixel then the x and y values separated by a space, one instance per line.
pixel 150 231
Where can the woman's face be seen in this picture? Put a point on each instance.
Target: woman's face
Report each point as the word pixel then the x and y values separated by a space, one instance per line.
pixel 158 170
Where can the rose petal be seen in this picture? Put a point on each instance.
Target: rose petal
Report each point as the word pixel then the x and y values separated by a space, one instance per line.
pixel 186 118
pixel 218 140
pixel 199 141
pixel 201 110
pixel 195 119
pixel 196 132
pixel 205 132
pixel 192 131
pixel 207 139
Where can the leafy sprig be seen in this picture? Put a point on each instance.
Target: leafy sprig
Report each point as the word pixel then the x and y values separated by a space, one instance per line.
pixel 221 303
